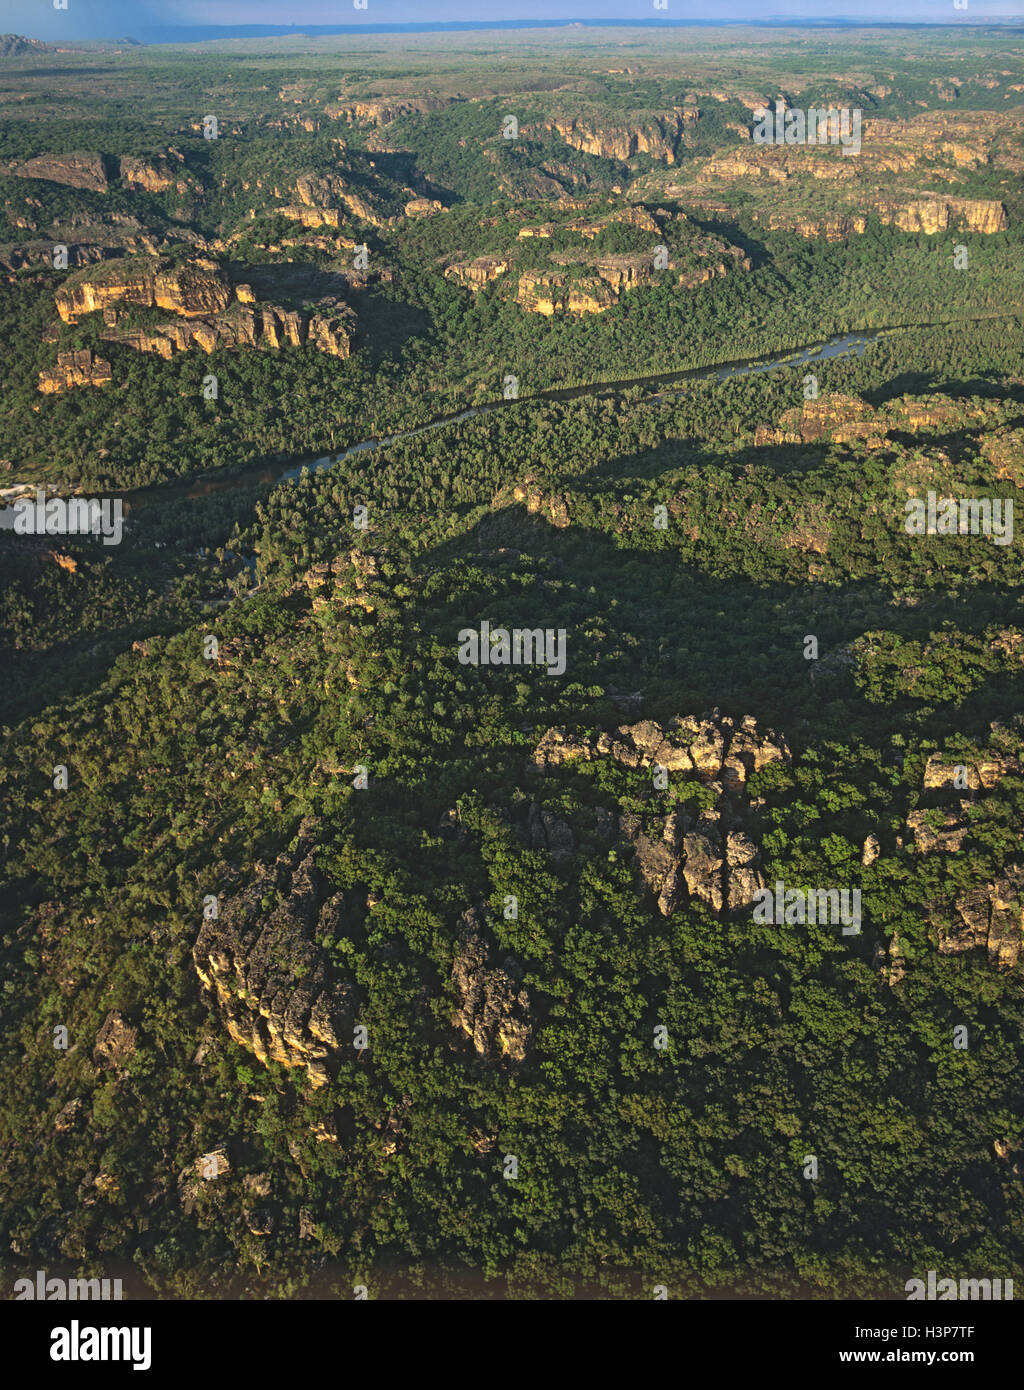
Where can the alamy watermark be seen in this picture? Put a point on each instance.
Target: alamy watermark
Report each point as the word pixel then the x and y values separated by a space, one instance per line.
pixel 827 906
pixel 522 646
pixel 945 1290
pixel 824 126
pixel 57 1290
pixel 73 516
pixel 960 516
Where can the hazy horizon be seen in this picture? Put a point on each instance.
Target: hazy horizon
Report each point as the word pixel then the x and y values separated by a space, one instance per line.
pixel 157 21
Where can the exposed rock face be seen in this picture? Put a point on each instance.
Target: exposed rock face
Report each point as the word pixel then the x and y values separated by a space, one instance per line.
pixel 907 173
pixel 830 226
pixel 191 290
pixel 1004 450
pixel 939 830
pixel 40 253
pixel 324 201
pixel 712 854
pixel 927 215
pixel 66 1116
pixel 384 112
pixel 210 313
pixel 264 970
pixel 115 1042
pixel 657 135
pixel 554 506
pixel 75 369
pixel 492 1008
pixel 157 174
pixel 842 419
pixel 605 278
pixel 86 171
pixel 477 273
pixel 990 916
pixel 548 293
pixel 938 214
pixel 423 207
pixel 943 772
pixel 15 46
pixel 268 326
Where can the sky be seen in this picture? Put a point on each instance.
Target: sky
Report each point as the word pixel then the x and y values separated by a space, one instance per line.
pixel 144 19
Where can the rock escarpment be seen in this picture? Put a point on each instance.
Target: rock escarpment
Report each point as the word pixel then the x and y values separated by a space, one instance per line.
pixel 190 290
pixel 491 1009
pixel 476 273
pixel 91 172
pixel 710 855
pixel 75 369
pixel 657 134
pixel 262 965
pixel 840 419
pixel 990 915
pixel 209 313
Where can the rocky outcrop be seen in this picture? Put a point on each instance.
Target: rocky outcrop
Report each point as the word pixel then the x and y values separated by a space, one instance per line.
pixel 423 207
pixel 944 773
pixel 40 253
pixel 263 968
pixel 936 829
pixel 75 369
pixel 549 292
pixel 832 226
pixel 325 201
pixel 944 828
pixel 16 46
pixel 711 855
pixel 990 918
pixel 655 134
pixel 839 419
pixel 492 1008
pixel 553 506
pixel 210 313
pixel 591 283
pixel 157 173
pixel 115 1042
pixel 927 215
pixel 190 290
pixel 478 272
pixel 85 171
pixel 385 111
pixel 267 326
pixel 932 215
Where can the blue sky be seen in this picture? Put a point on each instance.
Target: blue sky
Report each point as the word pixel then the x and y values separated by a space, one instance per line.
pixel 114 18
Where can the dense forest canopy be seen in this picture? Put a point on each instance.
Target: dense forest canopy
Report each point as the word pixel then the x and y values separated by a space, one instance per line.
pixel 330 958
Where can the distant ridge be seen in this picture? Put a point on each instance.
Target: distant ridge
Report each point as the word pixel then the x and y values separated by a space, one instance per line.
pixel 209 33
pixel 15 45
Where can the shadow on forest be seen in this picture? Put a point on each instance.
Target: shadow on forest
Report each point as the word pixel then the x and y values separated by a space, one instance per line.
pixel 641 620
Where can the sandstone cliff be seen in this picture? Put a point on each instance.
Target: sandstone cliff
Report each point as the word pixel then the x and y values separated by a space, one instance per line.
pixel 990 915
pixel 210 314
pixel 262 966
pixel 478 272
pixel 75 369
pixel 190 290
pixel 491 1009
pixel 841 419
pixel 712 855
pixel 86 171
pixel 656 134
pixel 385 111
